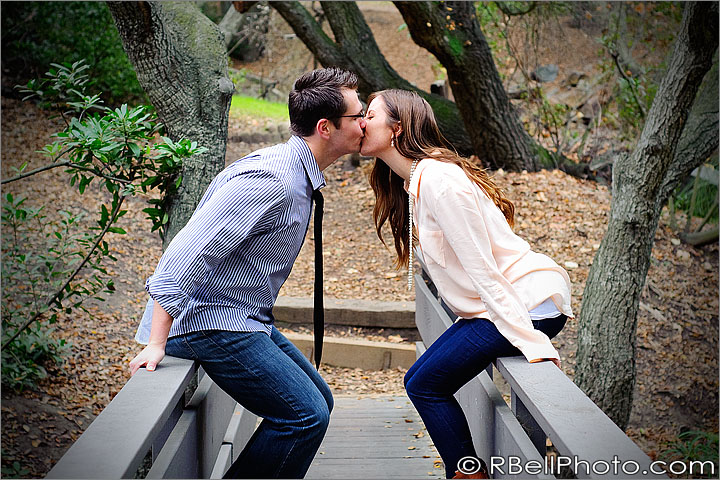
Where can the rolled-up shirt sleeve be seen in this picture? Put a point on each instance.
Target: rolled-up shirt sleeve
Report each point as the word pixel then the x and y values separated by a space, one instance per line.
pixel 467 227
pixel 247 204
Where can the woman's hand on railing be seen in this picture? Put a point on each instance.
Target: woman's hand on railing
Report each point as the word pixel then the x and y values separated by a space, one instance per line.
pixel 149 358
pixel 556 361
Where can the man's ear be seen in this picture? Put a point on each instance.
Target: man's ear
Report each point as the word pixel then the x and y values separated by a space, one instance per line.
pixel 322 128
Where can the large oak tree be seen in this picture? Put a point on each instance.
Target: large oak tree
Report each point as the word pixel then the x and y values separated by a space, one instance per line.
pixel 181 63
pixel 680 132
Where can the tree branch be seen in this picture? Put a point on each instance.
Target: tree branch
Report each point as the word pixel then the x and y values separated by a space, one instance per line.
pixel 36 171
pixel 66 163
pixel 699 137
pixel 511 11
pixel 55 296
pixel 616 57
pixel 308 30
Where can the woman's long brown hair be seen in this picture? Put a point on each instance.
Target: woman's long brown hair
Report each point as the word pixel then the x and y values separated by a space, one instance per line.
pixel 420 138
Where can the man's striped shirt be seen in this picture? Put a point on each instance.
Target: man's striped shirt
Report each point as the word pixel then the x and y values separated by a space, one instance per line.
pixel 224 269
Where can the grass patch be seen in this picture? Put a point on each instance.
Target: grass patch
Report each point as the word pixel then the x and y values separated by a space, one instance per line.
pixel 244 106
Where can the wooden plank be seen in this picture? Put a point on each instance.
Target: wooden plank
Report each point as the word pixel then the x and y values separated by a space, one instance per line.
pixel 241 427
pixel 355 312
pixel 215 408
pixel 167 429
pixel 576 426
pixel 223 461
pixel 406 468
pixel 179 457
pixel 430 318
pixel 364 448
pixel 529 424
pixel 357 353
pixel 115 443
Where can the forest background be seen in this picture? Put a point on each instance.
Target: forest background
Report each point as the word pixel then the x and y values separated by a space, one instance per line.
pixel 558 64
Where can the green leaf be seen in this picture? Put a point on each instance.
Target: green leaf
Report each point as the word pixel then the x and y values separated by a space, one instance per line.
pixel 135 148
pixel 117 230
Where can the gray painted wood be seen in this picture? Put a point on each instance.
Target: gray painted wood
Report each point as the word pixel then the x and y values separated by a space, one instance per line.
pixel 575 425
pixel 240 429
pixel 430 318
pixel 179 458
pixel 534 432
pixel 215 408
pixel 114 445
pixel 381 437
pixel 166 430
pixel 223 461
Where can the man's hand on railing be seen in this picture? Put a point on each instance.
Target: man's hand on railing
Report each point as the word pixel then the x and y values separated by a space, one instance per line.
pixel 155 349
pixel 150 356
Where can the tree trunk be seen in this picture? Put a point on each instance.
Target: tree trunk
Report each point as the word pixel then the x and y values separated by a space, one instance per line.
pixel 230 25
pixel 180 60
pixel 606 339
pixel 699 138
pixel 451 32
pixel 355 49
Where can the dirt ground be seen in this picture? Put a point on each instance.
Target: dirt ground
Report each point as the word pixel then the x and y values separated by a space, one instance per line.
pixel 562 216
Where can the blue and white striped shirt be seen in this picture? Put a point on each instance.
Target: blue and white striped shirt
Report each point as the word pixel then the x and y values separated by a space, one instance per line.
pixel 224 269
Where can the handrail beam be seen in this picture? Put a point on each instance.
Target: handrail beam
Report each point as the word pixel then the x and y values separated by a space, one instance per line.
pixel 115 443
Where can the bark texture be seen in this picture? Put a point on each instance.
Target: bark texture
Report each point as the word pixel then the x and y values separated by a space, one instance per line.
pixel 354 48
pixel 451 32
pixel 181 62
pixel 607 324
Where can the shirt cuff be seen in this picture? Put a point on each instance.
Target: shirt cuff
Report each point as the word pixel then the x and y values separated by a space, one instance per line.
pixel 167 293
pixel 537 353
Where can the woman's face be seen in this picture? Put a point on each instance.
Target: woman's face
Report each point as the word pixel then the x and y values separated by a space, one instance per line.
pixel 377 132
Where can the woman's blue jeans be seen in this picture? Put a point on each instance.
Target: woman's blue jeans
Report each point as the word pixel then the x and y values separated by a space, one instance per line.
pixel 456 357
pixel 271 378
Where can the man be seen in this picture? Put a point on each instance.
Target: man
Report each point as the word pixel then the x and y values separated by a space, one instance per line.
pixel 215 285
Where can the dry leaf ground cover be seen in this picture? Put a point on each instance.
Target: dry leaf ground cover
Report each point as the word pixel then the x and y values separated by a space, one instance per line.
pixel 559 215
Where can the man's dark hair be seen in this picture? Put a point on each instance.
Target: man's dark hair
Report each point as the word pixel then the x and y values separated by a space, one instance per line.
pixel 317 94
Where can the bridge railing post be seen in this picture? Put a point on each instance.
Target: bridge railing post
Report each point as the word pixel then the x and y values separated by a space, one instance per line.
pixel 199 438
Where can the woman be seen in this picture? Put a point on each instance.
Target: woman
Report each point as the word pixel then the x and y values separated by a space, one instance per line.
pixel 508 299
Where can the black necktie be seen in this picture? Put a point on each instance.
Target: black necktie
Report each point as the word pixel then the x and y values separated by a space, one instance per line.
pixel 318 312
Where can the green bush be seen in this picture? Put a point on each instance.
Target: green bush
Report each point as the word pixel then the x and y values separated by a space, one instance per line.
pixel 35 34
pixel 42 258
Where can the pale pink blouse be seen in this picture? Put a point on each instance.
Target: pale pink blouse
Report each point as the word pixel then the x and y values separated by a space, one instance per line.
pixel 480 267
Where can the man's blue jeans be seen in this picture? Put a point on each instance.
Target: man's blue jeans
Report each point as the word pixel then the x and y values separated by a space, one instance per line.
pixel 271 378
pixel 456 357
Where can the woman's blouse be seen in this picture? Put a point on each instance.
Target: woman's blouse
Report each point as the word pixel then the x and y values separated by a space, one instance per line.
pixel 478 264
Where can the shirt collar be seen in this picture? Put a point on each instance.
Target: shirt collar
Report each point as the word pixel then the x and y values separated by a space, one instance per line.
pixel 415 180
pixel 317 179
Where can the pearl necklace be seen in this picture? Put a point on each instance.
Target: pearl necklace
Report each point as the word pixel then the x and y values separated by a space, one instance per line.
pixel 410 229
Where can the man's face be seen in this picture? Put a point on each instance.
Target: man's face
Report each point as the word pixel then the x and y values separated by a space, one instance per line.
pixel 348 137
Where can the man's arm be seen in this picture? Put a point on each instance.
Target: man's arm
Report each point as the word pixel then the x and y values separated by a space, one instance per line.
pixel 155 349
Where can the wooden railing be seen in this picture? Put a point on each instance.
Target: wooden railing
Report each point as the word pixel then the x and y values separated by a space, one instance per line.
pixel 174 422
pixel 544 404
